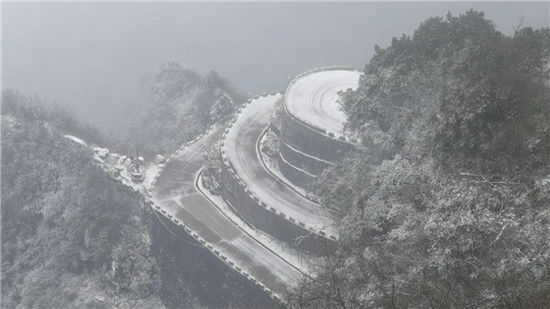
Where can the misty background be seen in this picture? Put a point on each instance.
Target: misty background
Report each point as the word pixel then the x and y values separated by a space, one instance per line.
pixel 99 58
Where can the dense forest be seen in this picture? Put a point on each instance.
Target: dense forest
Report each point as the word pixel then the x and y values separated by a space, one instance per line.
pixel 447 201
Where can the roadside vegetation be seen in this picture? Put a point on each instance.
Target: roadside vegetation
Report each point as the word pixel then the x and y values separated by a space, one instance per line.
pixel 71 236
pixel 448 200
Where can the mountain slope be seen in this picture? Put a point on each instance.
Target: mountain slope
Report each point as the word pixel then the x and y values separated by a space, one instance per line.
pixel 70 235
pixel 448 199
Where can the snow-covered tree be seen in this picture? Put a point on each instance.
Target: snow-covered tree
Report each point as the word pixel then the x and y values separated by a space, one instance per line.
pixel 447 201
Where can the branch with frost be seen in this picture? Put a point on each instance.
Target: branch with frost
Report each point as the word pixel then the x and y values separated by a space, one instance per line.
pixel 499 234
pixel 484 179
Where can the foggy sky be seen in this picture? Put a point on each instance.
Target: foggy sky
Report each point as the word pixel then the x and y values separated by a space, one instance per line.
pixel 96 57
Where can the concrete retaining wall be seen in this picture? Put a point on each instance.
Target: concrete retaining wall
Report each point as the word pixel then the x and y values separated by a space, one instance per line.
pixel 183 257
pixel 304 138
pixel 305 148
pixel 296 175
pixel 265 218
pixel 310 164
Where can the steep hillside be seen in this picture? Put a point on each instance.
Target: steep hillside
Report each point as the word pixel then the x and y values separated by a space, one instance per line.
pixel 184 104
pixel 448 200
pixel 71 237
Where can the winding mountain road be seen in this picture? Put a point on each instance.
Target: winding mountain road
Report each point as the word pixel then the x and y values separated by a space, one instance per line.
pixel 176 195
pixel 175 192
pixel 312 98
pixel 241 149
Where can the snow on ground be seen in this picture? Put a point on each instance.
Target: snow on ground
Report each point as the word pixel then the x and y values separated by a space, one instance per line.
pixel 314 98
pixel 255 253
pixel 117 166
pixel 240 146
pixel 298 258
pixel 75 139
pixel 153 169
pixel 121 167
pixel 177 196
pixel 150 174
pixel 250 251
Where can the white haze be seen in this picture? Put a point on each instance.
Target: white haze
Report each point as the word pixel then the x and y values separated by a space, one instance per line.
pixel 96 58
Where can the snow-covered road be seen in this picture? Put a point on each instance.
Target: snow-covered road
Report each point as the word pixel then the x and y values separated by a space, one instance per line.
pixel 176 193
pixel 241 149
pixel 313 98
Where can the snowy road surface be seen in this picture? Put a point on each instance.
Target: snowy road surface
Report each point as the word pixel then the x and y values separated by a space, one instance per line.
pixel 313 98
pixel 175 192
pixel 241 150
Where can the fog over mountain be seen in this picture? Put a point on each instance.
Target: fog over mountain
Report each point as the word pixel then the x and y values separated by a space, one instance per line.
pixel 273 155
pixel 99 58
